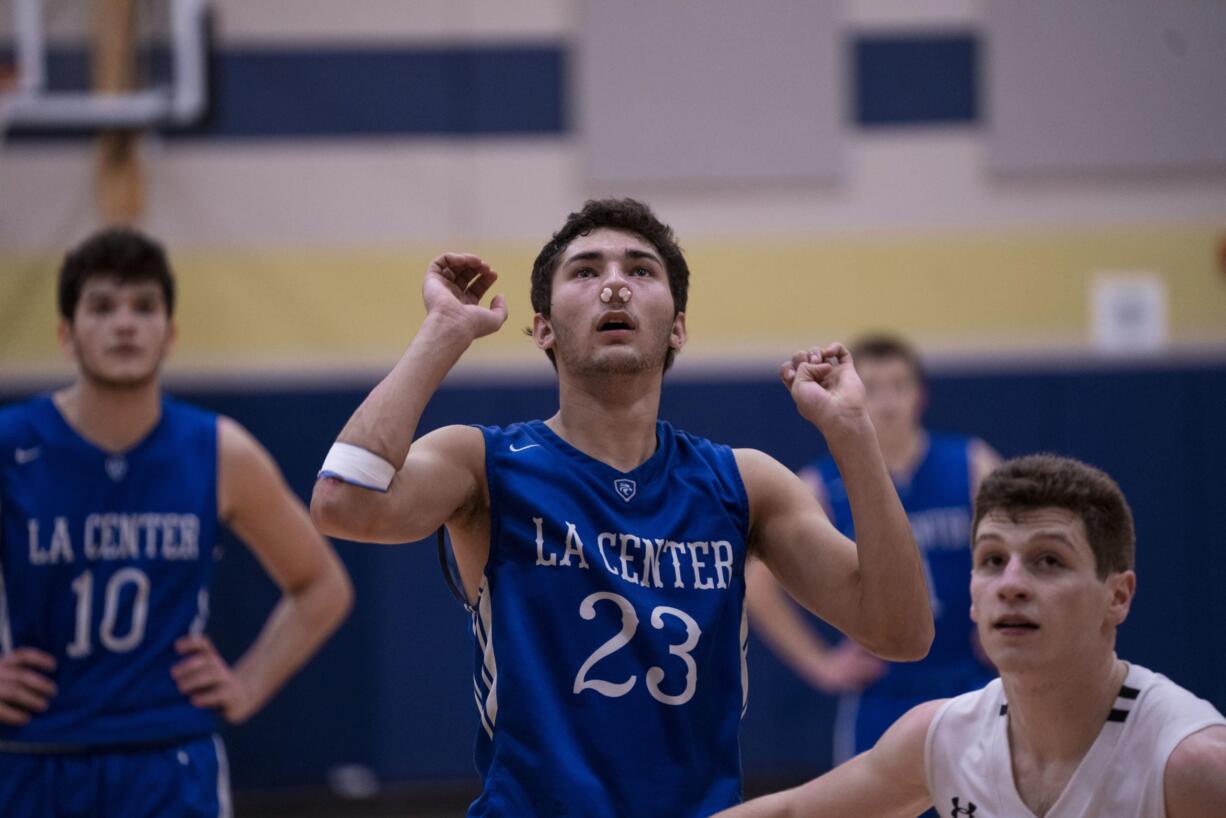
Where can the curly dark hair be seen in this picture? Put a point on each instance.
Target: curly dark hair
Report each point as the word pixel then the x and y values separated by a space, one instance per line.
pixel 629 215
pixel 1051 481
pixel 114 252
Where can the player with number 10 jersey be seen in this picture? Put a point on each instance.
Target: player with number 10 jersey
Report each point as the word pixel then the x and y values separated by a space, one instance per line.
pixel 107 560
pixel 111 495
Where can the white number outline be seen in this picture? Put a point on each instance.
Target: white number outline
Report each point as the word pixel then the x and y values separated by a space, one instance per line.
pixel 629 626
pixel 655 675
pixel 83 587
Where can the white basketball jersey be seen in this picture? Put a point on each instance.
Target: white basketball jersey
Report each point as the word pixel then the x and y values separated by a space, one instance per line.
pixel 970 772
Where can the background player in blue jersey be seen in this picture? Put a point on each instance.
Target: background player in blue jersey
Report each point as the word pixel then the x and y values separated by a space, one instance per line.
pixel 110 497
pixel 602 551
pixel 936 476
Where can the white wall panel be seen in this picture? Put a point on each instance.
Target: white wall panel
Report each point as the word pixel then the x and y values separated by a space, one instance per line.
pixel 385 192
pixel 1106 85
pixel 710 90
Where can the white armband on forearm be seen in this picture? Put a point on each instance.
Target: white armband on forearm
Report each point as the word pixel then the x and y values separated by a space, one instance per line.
pixel 358 467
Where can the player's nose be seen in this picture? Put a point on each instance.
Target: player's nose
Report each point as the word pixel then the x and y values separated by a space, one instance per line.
pixel 1013 581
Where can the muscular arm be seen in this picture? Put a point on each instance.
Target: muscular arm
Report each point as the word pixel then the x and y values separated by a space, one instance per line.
pixel 887 781
pixel 315 591
pixel 873 590
pixel 1196 775
pixel 443 473
pixel 867 589
pixel 794 640
pixel 780 624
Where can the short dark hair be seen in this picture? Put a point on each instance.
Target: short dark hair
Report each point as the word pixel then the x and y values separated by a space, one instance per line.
pixel 880 345
pixel 1051 481
pixel 629 215
pixel 114 252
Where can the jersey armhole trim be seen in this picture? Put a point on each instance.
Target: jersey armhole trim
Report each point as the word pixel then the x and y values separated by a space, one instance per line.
pixel 929 742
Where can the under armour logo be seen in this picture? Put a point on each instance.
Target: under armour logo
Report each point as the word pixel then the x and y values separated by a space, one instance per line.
pixel 116 468
pixel 625 487
pixel 969 809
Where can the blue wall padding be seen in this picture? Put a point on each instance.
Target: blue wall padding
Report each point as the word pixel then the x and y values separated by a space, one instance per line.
pixel 393 689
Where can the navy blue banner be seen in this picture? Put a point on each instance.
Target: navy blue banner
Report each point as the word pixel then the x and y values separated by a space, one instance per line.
pixel 916 79
pixel 499 90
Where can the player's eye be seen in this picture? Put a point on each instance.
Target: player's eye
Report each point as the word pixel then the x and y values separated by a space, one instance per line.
pixel 584 272
pixel 99 305
pixel 990 561
pixel 641 271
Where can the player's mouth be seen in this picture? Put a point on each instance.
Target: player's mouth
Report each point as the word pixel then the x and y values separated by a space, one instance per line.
pixel 616 324
pixel 1014 623
pixel 124 350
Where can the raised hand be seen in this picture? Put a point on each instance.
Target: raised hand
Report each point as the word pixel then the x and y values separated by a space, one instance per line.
pixel 453 288
pixel 205 678
pixel 25 687
pixel 825 386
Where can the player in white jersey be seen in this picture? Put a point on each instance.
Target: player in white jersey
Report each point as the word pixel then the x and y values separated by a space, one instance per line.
pixel 1069 730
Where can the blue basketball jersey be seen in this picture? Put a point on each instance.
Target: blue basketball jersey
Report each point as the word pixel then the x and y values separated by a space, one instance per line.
pixel 610 629
pixel 105 561
pixel 937 500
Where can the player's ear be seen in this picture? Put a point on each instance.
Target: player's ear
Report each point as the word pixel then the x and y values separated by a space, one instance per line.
pixel 1121 587
pixel 974 607
pixel 68 346
pixel 172 335
pixel 676 338
pixel 542 332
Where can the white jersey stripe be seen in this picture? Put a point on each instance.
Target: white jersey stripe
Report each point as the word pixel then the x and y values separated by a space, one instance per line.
pixel 489 731
pixel 744 659
pixel 224 807
pixel 6 628
pixel 484 630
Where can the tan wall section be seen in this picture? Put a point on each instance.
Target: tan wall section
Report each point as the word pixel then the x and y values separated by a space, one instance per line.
pixel 751 297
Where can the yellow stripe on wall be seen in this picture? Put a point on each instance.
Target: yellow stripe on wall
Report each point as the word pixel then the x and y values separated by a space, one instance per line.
pixel 1004 292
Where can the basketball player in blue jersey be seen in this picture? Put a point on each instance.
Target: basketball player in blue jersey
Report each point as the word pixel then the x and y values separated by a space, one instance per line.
pixel 1069 730
pixel 110 498
pixel 602 551
pixel 936 476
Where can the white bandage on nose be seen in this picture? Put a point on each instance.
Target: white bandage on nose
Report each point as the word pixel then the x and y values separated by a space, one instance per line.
pixel 606 295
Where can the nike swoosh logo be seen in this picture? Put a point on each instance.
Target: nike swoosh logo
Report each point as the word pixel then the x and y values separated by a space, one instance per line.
pixel 521 448
pixel 23 456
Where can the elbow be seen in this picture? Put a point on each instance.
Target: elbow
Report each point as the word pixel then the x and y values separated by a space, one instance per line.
pixel 911 644
pixel 919 642
pixel 331 514
pixel 327 600
pixel 342 598
pixel 906 641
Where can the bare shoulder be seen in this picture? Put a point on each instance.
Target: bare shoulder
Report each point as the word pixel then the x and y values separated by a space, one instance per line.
pixel 247 476
pixel 761 472
pixel 911 729
pixel 237 448
pixel 466 443
pixel 1196 775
